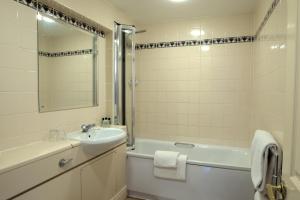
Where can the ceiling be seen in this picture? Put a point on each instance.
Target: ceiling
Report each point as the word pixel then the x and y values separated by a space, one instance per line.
pixel 153 11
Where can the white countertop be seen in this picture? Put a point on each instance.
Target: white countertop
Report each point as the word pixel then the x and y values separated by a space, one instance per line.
pixel 19 156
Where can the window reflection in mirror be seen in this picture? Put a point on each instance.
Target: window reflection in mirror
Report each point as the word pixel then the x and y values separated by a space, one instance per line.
pixel 67 66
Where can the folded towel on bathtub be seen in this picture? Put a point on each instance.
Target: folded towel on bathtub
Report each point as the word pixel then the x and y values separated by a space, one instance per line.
pixel 178 173
pixel 262 160
pixel 166 159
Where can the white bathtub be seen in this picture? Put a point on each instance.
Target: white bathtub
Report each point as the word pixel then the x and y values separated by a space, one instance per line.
pixel 213 173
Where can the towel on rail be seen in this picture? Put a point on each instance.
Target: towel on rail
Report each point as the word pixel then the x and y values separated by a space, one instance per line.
pixel 262 160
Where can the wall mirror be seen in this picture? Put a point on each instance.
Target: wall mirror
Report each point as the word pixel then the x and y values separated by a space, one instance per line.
pixel 67 66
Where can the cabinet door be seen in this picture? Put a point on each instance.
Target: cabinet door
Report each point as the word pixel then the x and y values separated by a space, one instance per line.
pixel 98 178
pixel 64 187
pixel 120 167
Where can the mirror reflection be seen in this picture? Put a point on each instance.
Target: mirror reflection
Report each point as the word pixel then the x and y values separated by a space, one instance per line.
pixel 67 66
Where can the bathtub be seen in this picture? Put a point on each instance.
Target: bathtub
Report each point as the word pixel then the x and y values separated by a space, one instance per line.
pixel 213 172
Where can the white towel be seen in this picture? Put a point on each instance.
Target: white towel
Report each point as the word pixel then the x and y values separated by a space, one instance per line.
pixel 261 163
pixel 178 173
pixel 259 196
pixel 166 159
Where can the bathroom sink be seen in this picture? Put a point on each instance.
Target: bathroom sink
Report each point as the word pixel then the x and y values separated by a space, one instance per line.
pixel 98 140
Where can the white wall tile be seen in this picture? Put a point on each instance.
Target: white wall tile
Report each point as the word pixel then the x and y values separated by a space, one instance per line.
pixel 273 74
pixel 195 94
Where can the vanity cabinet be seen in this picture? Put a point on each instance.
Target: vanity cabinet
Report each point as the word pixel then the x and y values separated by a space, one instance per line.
pixel 105 178
pixel 98 179
pixel 101 178
pixel 64 187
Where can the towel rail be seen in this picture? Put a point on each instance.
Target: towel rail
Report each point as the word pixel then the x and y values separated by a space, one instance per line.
pixel 276 190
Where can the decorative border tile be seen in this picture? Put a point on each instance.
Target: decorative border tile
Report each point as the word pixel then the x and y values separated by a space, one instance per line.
pixel 267 16
pixel 57 14
pixel 185 43
pixel 66 53
pixel 226 40
pixel 42 7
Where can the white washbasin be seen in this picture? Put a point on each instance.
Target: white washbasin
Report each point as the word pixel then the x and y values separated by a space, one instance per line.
pixel 98 140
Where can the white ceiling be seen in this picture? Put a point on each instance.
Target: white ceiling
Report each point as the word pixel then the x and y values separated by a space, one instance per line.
pixel 153 11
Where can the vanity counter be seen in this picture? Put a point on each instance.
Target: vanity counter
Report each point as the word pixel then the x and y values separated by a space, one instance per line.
pixel 19 156
pixel 25 168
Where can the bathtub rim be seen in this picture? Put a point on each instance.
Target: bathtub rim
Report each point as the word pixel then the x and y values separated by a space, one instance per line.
pixel 131 153
pixel 217 146
pixel 192 162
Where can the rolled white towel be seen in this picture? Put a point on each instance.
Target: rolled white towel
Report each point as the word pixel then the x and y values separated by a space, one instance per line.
pixel 166 159
pixel 261 162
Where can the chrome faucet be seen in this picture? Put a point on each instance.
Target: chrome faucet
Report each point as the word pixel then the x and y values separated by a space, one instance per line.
pixel 86 127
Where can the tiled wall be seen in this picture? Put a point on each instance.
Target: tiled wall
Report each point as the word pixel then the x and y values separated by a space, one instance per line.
pixel 20 122
pixel 181 29
pixel 220 93
pixel 261 9
pixel 273 75
pixel 197 93
pixel 101 11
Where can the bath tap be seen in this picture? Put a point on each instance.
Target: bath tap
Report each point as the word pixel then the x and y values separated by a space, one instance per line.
pixel 86 127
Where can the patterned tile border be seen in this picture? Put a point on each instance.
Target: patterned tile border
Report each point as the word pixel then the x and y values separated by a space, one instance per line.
pixel 66 53
pixel 185 43
pixel 226 40
pixel 43 8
